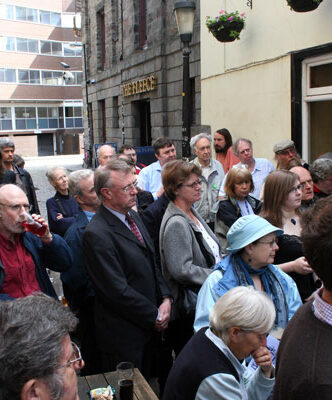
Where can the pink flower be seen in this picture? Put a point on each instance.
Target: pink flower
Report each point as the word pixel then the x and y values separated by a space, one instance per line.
pixel 230 18
pixel 243 14
pixel 221 12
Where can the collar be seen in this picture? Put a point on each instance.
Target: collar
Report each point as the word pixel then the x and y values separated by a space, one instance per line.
pixel 89 214
pixel 322 310
pixel 122 217
pixel 7 243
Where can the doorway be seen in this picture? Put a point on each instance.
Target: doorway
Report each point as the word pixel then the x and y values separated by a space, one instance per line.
pixel 142 115
pixel 45 144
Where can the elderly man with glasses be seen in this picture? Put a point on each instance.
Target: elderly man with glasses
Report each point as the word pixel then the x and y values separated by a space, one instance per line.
pixel 37 358
pixel 131 297
pixel 24 256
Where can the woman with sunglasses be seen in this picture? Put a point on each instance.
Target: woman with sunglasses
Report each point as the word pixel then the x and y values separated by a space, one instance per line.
pixel 281 207
pixel 237 203
pixel 252 248
pixel 188 248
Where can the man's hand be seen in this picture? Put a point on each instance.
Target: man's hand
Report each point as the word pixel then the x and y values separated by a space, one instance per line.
pixel 263 359
pixel 164 314
pixel 47 236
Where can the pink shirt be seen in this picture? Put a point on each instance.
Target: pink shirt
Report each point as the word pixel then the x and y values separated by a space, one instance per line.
pixel 227 160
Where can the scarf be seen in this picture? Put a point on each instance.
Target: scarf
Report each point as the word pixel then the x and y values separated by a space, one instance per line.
pixel 271 284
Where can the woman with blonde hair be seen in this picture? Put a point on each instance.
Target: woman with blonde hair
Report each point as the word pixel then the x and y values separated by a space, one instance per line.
pixel 237 202
pixel 281 207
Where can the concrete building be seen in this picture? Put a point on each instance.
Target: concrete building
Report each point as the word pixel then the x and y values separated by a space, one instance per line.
pixel 40 110
pixel 276 81
pixel 134 66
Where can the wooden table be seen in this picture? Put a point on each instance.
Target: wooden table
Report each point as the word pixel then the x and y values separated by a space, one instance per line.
pixel 142 390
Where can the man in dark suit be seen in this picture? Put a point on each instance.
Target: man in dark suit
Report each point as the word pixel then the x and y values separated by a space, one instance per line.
pixel 132 300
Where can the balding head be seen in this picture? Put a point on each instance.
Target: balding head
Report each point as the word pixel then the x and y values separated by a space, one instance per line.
pixel 305 181
pixel 13 205
pixel 105 154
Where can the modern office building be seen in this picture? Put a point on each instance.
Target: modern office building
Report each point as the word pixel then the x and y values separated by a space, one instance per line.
pixel 39 109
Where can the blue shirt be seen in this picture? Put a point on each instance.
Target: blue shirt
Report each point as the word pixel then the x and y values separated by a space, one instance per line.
pixel 149 178
pixel 262 169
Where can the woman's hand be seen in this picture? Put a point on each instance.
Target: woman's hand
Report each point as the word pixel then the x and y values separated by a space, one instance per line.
pixel 263 359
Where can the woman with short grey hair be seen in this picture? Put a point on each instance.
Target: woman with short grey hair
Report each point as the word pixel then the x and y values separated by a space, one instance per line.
pixel 211 365
pixel 62 208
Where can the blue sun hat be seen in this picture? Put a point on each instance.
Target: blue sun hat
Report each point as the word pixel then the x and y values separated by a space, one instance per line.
pixel 247 230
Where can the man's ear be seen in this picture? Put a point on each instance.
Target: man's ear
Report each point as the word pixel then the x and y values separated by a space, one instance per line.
pixel 78 199
pixel 34 389
pixel 106 193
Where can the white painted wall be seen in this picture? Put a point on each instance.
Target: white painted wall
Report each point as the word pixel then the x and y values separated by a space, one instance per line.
pixel 246 83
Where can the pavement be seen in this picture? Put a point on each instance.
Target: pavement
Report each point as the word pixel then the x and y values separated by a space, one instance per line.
pixel 37 167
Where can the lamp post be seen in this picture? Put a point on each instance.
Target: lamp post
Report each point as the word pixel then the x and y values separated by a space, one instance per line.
pixel 184 14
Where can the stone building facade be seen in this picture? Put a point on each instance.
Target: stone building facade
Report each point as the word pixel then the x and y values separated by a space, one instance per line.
pixel 134 71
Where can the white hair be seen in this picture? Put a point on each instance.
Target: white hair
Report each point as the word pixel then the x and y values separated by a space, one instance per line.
pixel 75 178
pixel 244 307
pixel 51 170
pixel 195 139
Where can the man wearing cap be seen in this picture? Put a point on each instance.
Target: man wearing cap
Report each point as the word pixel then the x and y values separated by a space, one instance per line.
pixel 286 155
pixel 321 172
pixel 307 186
pixel 252 247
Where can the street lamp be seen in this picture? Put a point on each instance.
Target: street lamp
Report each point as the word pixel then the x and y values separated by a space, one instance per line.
pixel 184 14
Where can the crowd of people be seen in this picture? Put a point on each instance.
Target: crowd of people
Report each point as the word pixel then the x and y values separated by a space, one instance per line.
pixel 192 270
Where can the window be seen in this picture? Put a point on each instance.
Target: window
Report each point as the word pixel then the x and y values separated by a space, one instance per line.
pixel 6 11
pixel 7 43
pixel 48 117
pixel 72 50
pixel 101 40
pixel 142 23
pixel 5 118
pixel 25 118
pixel 53 48
pixel 52 78
pixel 28 76
pixel 50 18
pixel 7 75
pixel 27 45
pixel 74 117
pixel 26 14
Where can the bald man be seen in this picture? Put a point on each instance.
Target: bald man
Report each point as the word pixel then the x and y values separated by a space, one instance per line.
pixel 105 154
pixel 307 186
pixel 24 256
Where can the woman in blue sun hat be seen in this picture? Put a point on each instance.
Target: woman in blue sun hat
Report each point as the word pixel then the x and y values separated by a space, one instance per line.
pixel 252 248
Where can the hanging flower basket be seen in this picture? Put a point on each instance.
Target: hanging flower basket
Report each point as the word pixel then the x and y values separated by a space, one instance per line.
pixel 226 27
pixel 304 5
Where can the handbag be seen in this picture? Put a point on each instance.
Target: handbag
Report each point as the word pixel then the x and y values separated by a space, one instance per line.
pixel 187 299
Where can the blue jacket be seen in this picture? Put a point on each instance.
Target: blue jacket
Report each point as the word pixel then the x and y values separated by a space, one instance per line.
pixel 55 256
pixel 207 295
pixel 77 283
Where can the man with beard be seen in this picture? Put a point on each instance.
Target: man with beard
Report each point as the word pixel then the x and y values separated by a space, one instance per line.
pixel 223 147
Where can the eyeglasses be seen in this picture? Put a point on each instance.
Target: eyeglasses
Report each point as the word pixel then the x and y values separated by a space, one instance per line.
pixel 75 357
pixel 297 188
pixel 17 207
pixel 129 187
pixel 193 185
pixel 270 243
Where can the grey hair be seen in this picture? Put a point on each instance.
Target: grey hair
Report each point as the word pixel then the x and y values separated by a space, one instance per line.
pixel 6 142
pixel 321 169
pixel 103 177
pixel 100 148
pixel 32 330
pixel 75 178
pixel 235 145
pixel 196 138
pixel 51 170
pixel 244 307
